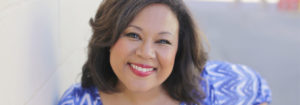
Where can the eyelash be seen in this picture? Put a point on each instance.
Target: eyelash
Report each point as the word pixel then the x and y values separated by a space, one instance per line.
pixel 164 42
pixel 133 35
pixel 137 37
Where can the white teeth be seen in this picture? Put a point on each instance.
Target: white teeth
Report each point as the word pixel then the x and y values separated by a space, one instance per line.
pixel 140 68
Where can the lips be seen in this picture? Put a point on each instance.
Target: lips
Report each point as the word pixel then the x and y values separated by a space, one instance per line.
pixel 141 70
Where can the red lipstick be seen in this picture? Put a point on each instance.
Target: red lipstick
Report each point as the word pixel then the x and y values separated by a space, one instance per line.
pixel 139 72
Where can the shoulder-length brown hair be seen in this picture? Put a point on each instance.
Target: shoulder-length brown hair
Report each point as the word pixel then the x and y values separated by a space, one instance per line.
pixel 112 17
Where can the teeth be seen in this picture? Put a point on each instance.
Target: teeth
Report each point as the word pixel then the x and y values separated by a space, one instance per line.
pixel 140 68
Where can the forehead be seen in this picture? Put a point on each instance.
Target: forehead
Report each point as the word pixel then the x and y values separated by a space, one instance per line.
pixel 156 17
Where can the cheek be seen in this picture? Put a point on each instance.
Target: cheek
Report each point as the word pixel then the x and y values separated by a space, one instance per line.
pixel 166 58
pixel 119 53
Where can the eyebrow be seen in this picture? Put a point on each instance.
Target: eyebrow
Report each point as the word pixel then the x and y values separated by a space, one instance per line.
pixel 140 29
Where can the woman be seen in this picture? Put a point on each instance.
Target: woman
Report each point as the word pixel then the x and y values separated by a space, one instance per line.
pixel 148 52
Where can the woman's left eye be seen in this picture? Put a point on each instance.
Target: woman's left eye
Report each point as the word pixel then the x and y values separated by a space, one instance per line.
pixel 164 42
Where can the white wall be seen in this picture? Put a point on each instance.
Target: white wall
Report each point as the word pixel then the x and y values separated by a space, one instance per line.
pixel 43 46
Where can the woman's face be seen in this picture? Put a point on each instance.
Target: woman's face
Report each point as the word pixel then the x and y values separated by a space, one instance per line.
pixel 143 57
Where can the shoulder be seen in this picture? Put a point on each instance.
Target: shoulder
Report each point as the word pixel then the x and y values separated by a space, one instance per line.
pixel 228 83
pixel 77 95
pixel 219 69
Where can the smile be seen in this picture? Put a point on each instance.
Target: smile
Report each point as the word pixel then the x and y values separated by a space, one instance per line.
pixel 141 69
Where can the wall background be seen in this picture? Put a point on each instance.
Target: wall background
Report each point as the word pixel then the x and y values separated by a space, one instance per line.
pixel 43 45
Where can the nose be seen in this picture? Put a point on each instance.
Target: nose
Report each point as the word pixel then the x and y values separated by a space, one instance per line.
pixel 145 50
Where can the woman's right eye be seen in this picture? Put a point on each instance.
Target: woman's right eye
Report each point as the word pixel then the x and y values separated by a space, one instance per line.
pixel 133 35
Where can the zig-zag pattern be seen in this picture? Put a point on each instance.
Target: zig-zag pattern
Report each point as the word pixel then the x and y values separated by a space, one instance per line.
pixel 231 84
pixel 76 95
pixel 225 84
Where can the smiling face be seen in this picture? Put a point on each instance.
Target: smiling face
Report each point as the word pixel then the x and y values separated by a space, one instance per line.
pixel 144 55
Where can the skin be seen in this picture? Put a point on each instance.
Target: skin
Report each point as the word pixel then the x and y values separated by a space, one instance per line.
pixel 264 103
pixel 151 39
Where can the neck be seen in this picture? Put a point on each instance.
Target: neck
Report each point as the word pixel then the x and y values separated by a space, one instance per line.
pixel 155 96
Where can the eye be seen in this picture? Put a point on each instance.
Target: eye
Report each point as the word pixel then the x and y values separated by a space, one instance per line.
pixel 163 41
pixel 133 35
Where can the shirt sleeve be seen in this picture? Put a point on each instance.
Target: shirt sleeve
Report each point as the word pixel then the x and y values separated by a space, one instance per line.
pixel 68 97
pixel 264 92
pixel 77 95
pixel 234 84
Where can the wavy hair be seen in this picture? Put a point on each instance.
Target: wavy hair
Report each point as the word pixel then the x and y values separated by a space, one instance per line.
pixel 111 19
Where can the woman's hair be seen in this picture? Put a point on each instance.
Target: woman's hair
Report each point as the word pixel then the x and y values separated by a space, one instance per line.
pixel 113 17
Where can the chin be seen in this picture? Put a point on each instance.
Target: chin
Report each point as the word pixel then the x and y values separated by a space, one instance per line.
pixel 140 88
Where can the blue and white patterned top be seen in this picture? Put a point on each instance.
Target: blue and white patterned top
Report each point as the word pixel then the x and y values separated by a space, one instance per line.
pixel 225 84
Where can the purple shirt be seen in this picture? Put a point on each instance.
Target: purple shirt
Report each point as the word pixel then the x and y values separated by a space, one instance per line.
pixel 224 84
